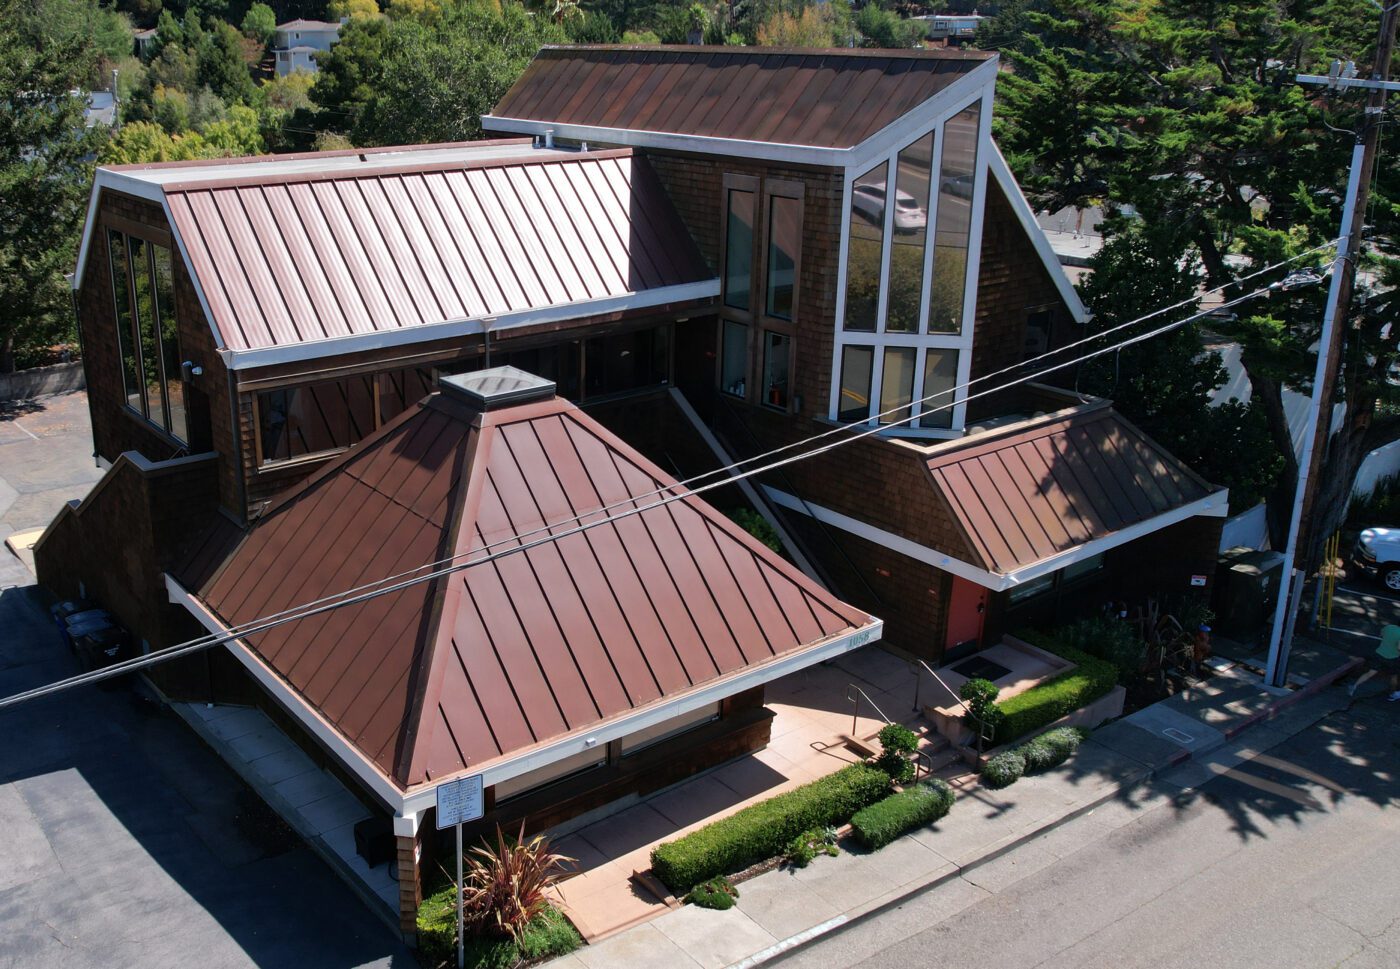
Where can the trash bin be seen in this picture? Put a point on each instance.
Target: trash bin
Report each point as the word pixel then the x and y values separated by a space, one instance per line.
pixel 374 841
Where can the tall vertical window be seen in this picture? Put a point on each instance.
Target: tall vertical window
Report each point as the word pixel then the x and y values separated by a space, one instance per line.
pixel 734 358
pixel 940 376
pixel 784 240
pixel 148 333
pixel 738 249
pixel 126 330
pixel 777 350
pixel 956 181
pixel 866 229
pixel 170 357
pixel 857 367
pixel 897 384
pixel 906 279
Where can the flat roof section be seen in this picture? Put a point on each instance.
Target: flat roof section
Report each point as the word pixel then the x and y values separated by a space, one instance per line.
pixel 510 658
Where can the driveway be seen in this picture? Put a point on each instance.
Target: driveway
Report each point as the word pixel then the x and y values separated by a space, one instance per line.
pixel 1359 610
pixel 123 840
pixel 45 460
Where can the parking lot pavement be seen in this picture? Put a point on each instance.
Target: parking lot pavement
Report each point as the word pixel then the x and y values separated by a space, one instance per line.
pixel 45 460
pixel 126 842
pixel 1359 609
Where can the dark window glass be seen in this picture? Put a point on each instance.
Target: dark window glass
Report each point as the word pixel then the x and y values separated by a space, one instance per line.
pixel 626 361
pixel 906 282
pixel 897 384
pixel 315 419
pixel 956 180
pixel 738 249
pixel 784 240
pixel 400 389
pixel 150 349
pixel 777 353
pixel 940 375
pixel 734 358
pixel 170 343
pixel 866 230
pixel 1037 334
pixel 121 300
pixel 856 364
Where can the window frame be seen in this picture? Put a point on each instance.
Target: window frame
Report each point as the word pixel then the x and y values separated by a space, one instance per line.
pixel 733 182
pixel 767 323
pixel 960 342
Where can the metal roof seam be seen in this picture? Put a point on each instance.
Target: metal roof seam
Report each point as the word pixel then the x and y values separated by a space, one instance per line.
pixel 437 281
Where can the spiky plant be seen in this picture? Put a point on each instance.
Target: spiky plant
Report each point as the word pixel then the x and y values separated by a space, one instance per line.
pixel 504 885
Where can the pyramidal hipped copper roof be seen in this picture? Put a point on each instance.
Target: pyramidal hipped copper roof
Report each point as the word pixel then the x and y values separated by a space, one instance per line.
pixel 490 661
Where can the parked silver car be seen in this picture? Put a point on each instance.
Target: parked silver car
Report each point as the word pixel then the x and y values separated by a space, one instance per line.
pixel 1377 554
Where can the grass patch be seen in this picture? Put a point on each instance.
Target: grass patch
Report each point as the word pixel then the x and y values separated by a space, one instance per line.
pixel 717 893
pixel 548 935
pixel 1044 704
pixel 766 829
pixel 880 823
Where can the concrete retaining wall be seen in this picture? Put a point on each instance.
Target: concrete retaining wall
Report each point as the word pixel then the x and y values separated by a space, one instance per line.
pixel 61 378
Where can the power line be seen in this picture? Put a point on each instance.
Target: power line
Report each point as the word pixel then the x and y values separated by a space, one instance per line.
pixel 353 597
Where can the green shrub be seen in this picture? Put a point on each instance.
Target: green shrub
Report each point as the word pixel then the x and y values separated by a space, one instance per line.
pixel 981 696
pixel 880 823
pixel 547 935
pixel 897 742
pixel 757 526
pixel 764 830
pixel 1004 769
pixel 717 893
pixel 1109 639
pixel 809 844
pixel 1044 704
pixel 1052 748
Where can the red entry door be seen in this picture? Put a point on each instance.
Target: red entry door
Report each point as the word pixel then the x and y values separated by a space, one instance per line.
pixel 967 610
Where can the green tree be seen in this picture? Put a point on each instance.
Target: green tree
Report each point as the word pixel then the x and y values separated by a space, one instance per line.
pixel 348 76
pixel 886 29
pixel 219 63
pixel 1186 112
pixel 438 77
pixel 44 172
pixel 260 23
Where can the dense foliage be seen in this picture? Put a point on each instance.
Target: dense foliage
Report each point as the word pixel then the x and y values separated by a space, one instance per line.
pixel 916 807
pixel 1047 702
pixel 764 830
pixel 1050 749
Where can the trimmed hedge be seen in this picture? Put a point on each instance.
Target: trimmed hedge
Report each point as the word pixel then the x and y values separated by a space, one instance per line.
pixel 764 830
pixel 880 823
pixel 1052 748
pixel 1044 704
pixel 1004 769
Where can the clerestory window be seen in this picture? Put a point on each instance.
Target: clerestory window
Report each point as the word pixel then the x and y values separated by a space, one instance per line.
pixel 148 335
pixel 905 329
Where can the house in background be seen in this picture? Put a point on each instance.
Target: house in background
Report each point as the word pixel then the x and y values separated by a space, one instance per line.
pixel 296 43
pixel 699 255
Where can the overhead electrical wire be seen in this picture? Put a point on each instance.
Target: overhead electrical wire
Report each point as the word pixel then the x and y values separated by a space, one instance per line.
pixel 516 544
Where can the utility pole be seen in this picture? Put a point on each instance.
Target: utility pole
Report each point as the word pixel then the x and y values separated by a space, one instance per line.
pixel 1319 427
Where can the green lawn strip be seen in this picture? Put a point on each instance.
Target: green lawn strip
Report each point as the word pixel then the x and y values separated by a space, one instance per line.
pixel 764 830
pixel 547 936
pixel 880 823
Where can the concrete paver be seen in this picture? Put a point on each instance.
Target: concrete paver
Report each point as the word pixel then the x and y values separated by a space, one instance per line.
pixel 715 939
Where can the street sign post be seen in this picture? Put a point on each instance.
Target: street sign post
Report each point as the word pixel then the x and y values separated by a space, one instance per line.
pixel 460 801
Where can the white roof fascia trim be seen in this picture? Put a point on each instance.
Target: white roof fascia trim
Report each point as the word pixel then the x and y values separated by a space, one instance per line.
pixel 1026 216
pixel 292 702
pixel 408 335
pixel 924 117
pixel 151 192
pixel 1214 505
pixel 674 141
pixel 493 772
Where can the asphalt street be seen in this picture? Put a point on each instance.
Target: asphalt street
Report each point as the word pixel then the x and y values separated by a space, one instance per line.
pixel 1291 859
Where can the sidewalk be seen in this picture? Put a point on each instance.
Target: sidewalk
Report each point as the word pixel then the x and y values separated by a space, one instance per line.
pixel 1183 742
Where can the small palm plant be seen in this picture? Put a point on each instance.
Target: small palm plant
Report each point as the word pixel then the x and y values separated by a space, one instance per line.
pixel 504 885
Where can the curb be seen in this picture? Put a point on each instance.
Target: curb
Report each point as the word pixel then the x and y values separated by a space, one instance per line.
pixel 785 947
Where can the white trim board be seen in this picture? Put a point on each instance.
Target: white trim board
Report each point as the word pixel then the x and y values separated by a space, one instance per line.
pixel 410 804
pixel 1214 505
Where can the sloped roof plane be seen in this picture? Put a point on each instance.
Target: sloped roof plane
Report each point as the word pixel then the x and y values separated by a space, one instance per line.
pixel 490 662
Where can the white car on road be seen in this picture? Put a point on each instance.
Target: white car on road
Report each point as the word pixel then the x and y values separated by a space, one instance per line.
pixel 869 202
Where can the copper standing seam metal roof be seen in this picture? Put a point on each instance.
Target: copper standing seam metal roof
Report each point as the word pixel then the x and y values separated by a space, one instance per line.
pixel 823 98
pixel 489 661
pixel 293 258
pixel 1028 495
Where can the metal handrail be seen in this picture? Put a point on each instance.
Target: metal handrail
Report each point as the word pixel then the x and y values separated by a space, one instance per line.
pixel 855 717
pixel 922 756
pixel 918 664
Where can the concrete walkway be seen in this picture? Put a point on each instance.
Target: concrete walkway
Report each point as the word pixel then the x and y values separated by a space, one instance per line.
pixel 1183 741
